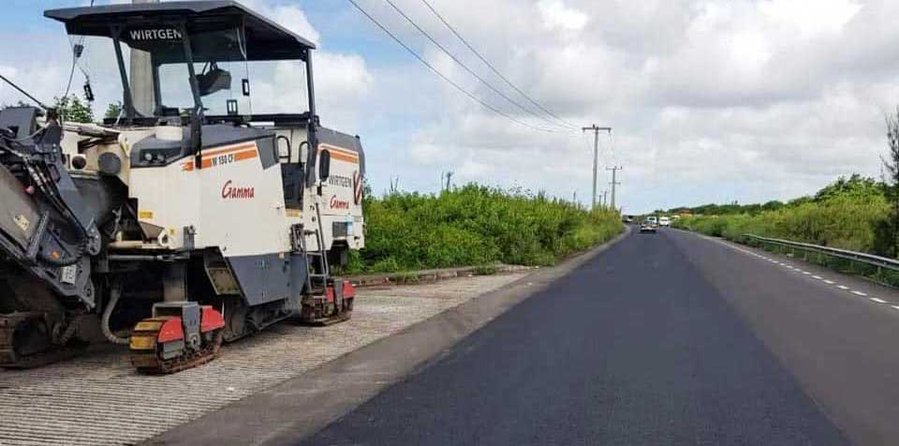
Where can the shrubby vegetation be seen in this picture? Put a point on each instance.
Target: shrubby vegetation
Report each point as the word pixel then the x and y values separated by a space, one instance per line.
pixel 71 108
pixel 475 225
pixel 850 213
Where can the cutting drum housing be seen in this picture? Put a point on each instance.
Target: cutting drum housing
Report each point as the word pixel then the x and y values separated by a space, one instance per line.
pixel 190 217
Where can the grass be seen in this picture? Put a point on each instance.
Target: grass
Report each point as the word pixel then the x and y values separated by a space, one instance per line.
pixel 475 226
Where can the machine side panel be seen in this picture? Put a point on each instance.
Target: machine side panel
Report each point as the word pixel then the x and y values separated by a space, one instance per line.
pixel 268 277
pixel 168 198
pixel 232 201
pixel 341 200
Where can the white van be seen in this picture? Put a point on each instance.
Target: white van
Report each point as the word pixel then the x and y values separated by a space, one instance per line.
pixel 664 222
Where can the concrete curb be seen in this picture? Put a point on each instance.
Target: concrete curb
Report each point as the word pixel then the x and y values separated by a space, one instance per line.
pixel 433 275
pixel 297 408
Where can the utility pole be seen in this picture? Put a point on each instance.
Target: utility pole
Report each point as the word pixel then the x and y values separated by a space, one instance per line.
pixel 614 183
pixel 449 178
pixel 605 198
pixel 595 131
pixel 394 184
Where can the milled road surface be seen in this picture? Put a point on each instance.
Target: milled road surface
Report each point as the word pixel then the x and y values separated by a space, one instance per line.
pixel 661 339
pixel 98 399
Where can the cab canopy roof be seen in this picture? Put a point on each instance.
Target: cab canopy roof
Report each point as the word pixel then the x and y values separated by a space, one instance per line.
pixel 265 40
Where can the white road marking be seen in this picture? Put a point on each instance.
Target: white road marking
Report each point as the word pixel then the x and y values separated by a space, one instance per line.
pixel 829 282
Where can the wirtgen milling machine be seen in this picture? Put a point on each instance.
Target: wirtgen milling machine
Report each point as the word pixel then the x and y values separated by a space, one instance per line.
pixel 187 218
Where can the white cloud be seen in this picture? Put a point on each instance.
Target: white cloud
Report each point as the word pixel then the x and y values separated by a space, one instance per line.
pixel 289 16
pixel 342 83
pixel 558 16
pixel 710 100
pixel 811 17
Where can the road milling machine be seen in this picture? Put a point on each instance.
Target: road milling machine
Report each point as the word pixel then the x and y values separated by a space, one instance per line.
pixel 191 216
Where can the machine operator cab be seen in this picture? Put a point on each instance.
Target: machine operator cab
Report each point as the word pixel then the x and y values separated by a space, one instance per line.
pixel 202 79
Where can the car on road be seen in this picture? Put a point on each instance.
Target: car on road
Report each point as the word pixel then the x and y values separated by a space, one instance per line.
pixel 648 226
pixel 664 222
pixel 653 220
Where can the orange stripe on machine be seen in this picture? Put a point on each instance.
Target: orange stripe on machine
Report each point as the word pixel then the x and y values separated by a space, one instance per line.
pixel 340 153
pixel 222 157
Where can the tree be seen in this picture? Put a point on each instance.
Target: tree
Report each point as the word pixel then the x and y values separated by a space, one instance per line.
pixel 72 109
pixel 856 186
pixel 113 110
pixel 772 205
pixel 888 231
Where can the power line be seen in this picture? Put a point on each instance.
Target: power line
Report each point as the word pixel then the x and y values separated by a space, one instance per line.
pixel 486 62
pixel 442 76
pixel 464 66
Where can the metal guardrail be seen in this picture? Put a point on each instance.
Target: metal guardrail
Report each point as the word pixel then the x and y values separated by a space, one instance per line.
pixel 861 257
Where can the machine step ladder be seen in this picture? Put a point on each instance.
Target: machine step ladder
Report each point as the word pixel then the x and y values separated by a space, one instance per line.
pixel 317 268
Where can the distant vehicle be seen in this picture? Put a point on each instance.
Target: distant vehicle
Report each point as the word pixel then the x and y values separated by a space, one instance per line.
pixel 664 222
pixel 653 219
pixel 648 226
pixel 628 219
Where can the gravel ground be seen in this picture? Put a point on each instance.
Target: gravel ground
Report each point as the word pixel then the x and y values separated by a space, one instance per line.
pixel 97 399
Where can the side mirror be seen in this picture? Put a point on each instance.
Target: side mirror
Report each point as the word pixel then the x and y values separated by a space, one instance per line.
pixel 324 165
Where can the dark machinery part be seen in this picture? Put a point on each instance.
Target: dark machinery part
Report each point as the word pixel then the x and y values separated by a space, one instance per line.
pixel 180 335
pixel 335 305
pixel 46 226
pixel 47 237
pixel 32 339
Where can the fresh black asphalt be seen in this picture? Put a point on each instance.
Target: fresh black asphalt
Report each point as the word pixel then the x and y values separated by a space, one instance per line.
pixel 643 344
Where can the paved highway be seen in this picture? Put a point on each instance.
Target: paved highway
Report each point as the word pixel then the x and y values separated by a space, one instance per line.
pixel 662 339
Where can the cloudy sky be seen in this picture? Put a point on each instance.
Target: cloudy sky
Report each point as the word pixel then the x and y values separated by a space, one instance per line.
pixel 710 101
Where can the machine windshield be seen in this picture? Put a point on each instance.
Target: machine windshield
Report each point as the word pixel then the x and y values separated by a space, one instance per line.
pixel 166 71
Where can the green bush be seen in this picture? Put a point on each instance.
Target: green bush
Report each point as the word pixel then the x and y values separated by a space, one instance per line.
pixel 475 225
pixel 839 216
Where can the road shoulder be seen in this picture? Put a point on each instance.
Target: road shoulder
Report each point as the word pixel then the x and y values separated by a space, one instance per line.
pixel 839 345
pixel 302 405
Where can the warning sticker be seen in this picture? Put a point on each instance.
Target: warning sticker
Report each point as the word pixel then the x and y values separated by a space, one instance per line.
pixel 22 222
